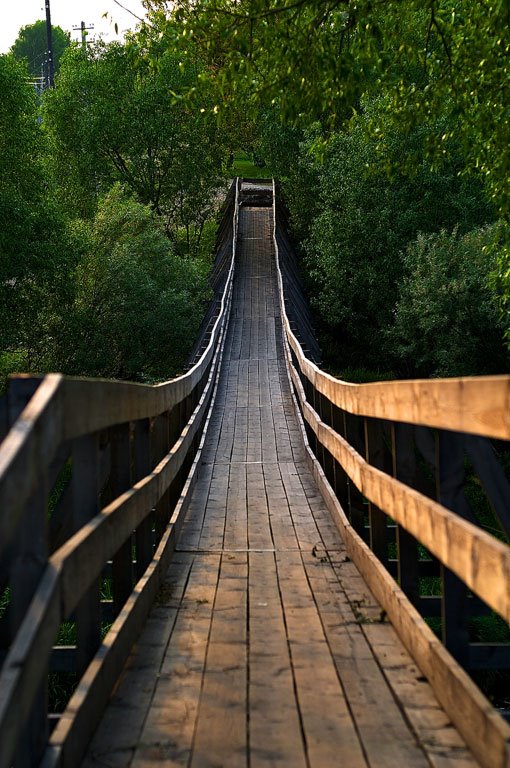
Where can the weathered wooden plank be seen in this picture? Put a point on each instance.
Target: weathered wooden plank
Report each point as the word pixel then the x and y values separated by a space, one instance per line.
pixel 386 737
pixel 443 745
pixel 221 731
pixel 275 732
pixel 169 729
pixel 332 736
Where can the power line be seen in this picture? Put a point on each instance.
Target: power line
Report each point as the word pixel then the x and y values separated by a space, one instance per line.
pixel 128 10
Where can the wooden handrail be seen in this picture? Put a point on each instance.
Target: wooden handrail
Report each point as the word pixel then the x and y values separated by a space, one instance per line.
pixel 64 413
pixel 474 406
pixel 65 408
pixel 480 560
pixel 478 405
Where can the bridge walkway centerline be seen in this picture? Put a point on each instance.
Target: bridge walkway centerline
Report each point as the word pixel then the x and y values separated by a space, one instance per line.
pixel 265 647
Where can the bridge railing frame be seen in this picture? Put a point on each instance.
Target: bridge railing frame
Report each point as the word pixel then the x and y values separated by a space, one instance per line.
pixel 121 460
pixel 360 448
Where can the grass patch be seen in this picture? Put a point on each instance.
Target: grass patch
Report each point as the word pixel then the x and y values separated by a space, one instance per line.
pixel 489 629
pixel 245 167
pixel 431 586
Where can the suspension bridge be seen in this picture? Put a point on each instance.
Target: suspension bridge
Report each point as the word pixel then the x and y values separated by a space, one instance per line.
pixel 239 552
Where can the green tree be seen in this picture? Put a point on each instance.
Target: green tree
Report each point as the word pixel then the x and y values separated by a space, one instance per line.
pixel 117 114
pixel 432 58
pixel 32 46
pixel 134 307
pixel 34 241
pixel 446 319
pixel 315 59
pixel 365 218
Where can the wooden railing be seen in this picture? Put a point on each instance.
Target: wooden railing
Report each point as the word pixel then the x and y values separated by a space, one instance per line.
pixel 390 459
pixel 94 479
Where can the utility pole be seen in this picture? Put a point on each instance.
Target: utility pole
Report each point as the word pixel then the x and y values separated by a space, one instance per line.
pixel 49 72
pixel 84 31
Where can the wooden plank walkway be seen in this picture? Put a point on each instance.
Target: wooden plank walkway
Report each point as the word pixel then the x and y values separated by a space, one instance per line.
pixel 265 648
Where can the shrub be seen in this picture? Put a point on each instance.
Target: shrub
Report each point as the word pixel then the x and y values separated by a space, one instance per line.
pixel 447 321
pixel 136 305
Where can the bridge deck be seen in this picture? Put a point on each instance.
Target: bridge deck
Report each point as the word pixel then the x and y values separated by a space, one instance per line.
pixel 265 647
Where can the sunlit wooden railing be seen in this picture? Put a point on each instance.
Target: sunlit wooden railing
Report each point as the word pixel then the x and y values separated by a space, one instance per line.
pixel 94 479
pixel 390 459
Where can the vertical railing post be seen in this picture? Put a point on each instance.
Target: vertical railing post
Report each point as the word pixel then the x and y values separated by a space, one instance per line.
pixel 187 411
pixel 27 565
pixel 159 448
pixel 329 461
pixel 450 474
pixel 319 406
pixel 374 454
pixel 86 504
pixel 355 437
pixel 404 469
pixel 174 431
pixel 340 479
pixel 29 556
pixel 120 481
pixel 142 467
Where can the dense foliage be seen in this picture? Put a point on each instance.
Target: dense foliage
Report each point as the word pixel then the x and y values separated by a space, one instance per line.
pixel 35 248
pixel 316 59
pixel 388 124
pixel 108 189
pixel 114 116
pixel 31 46
pixel 363 220
pixel 446 320
pixel 440 70
pixel 133 305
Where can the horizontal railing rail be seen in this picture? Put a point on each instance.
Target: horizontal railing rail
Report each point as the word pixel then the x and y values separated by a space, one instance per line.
pixel 393 460
pixel 94 479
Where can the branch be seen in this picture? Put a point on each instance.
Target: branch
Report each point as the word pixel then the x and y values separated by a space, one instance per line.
pixel 429 32
pixel 263 14
pixel 434 21
pixel 128 10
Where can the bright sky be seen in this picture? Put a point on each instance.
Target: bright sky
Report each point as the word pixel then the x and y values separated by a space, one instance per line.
pixel 67 14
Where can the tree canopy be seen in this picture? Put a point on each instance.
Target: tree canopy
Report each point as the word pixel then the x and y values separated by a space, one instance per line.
pixel 119 115
pixel 388 123
pixel 442 64
pixel 33 238
pixel 315 59
pixel 32 46
pixel 133 306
